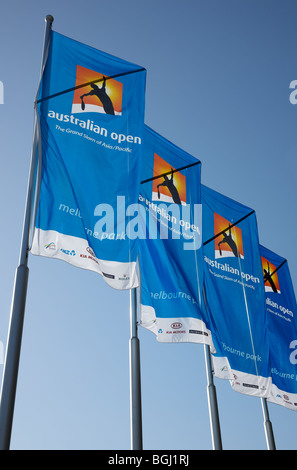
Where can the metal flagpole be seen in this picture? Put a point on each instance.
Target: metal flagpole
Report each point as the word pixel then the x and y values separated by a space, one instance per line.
pixel 212 396
pixel 268 426
pixel 9 383
pixel 212 403
pixel 135 378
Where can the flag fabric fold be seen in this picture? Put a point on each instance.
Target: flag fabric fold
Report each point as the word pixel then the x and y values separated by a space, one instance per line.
pixel 282 327
pixel 170 254
pixel 91 111
pixel 234 290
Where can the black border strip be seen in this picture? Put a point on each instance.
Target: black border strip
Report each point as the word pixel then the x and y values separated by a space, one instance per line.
pixel 230 226
pixel 88 83
pixel 169 172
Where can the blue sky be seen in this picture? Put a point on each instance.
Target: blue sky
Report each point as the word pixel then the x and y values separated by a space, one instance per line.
pixel 218 76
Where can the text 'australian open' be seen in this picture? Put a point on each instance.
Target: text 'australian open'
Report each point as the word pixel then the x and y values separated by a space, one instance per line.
pixel 89 125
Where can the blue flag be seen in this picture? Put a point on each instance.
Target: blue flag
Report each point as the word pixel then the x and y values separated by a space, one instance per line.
pixel 171 262
pixel 234 289
pixel 91 112
pixel 282 326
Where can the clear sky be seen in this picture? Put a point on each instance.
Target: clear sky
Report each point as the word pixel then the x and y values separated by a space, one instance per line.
pixel 218 77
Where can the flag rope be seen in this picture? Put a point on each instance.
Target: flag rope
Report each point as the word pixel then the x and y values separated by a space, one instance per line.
pixel 248 319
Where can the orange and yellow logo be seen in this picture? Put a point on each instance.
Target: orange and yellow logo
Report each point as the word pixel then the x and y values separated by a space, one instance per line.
pixel 229 243
pixel 270 276
pixel 104 96
pixel 171 185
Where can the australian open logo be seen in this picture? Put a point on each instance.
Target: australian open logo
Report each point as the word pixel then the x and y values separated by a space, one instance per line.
pixel 100 94
pixel 271 282
pixel 229 243
pixel 170 215
pixel 171 185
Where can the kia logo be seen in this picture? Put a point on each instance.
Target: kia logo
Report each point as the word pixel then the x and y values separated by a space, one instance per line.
pixel 176 326
pixel 89 250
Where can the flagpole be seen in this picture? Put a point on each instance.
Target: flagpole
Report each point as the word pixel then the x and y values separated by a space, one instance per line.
pixel 13 349
pixel 135 378
pixel 212 395
pixel 268 426
pixel 212 403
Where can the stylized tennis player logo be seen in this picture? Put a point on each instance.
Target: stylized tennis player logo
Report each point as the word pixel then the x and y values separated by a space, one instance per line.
pixel 103 96
pixel 171 185
pixel 229 243
pixel 271 283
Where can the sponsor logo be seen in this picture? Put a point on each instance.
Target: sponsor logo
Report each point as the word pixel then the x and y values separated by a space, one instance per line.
pixel 89 250
pixel 68 252
pixel 91 255
pixel 109 276
pixel 287 400
pixel 270 276
pixel 250 385
pixel 50 246
pixel 176 328
pixel 100 95
pixel 229 244
pixel 168 332
pixel 198 332
pixel 176 325
pixel 171 185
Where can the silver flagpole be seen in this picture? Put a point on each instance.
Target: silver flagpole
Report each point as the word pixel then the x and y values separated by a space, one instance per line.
pixel 212 403
pixel 268 426
pixel 212 396
pixel 11 366
pixel 135 378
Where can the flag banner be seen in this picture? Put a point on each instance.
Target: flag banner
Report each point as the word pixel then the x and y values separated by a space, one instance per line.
pixel 91 112
pixel 170 255
pixel 282 328
pixel 234 291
